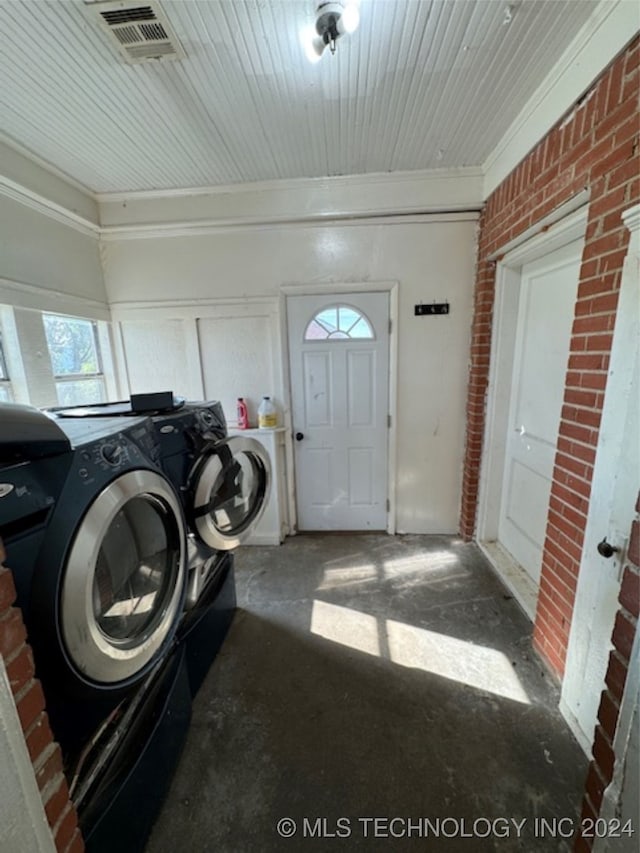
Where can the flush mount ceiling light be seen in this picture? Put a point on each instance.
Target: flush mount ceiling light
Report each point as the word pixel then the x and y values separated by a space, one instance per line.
pixel 333 19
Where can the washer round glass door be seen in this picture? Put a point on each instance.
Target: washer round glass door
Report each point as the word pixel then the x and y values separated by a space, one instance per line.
pixel 124 579
pixel 231 483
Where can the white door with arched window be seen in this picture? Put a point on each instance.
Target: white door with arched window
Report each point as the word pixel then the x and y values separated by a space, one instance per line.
pixel 339 368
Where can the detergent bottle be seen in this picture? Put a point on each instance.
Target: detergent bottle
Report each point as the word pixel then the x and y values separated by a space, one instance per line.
pixel 243 414
pixel 267 415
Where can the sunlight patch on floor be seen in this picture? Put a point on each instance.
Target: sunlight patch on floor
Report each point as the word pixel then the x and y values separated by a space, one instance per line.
pixel 345 626
pixel 354 573
pixel 479 667
pixel 425 562
pixel 345 575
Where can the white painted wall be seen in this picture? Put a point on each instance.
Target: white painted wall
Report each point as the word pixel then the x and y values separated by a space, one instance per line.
pixel 239 272
pixel 45 259
pixel 49 249
pixel 49 261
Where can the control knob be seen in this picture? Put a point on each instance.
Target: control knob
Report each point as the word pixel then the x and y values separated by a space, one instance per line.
pixel 111 453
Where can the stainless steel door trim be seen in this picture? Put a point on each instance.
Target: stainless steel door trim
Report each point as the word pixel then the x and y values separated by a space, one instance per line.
pixel 198 576
pixel 207 476
pixel 98 658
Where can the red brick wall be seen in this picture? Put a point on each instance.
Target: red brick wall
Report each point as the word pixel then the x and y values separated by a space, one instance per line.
pixel 595 146
pixel 601 768
pixel 44 752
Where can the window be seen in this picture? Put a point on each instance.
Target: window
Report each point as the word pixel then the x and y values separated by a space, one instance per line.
pixel 75 359
pixel 5 385
pixel 338 322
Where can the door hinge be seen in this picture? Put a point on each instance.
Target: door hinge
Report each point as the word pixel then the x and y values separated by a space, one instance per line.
pixel 390 325
pixel 388 421
pixel 388 505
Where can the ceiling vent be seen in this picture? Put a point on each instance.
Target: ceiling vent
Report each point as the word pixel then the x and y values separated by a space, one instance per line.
pixel 140 31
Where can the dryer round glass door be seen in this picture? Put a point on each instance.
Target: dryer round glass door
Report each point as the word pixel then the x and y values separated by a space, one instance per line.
pixel 124 580
pixel 230 483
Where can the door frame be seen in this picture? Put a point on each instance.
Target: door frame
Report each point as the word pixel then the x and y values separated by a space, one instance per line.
pixel 615 411
pixel 337 289
pixel 509 263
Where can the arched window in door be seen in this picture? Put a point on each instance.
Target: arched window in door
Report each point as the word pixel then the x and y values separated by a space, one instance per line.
pixel 338 322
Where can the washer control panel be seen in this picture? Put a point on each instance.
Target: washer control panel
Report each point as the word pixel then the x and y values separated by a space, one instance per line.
pixel 104 447
pixel 103 456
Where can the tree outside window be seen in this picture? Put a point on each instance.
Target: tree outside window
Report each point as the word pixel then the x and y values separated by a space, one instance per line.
pixel 75 359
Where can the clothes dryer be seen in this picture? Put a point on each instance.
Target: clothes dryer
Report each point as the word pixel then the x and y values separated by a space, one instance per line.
pixel 96 540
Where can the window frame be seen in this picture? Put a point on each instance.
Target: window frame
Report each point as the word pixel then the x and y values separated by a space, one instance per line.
pixel 5 376
pixel 339 334
pixel 78 377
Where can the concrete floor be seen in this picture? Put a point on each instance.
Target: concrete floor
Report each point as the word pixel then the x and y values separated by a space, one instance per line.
pixel 374 676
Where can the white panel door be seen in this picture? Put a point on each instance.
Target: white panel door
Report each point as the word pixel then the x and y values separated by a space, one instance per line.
pixel 339 387
pixel 545 317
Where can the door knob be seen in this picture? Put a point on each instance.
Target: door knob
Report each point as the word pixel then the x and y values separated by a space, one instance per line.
pixel 605 549
pixel 299 436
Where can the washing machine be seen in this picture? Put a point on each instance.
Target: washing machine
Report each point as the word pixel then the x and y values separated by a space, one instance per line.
pixel 96 539
pixel 35 456
pixel 223 483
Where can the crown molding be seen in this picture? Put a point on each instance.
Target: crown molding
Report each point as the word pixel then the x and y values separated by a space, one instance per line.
pixel 427 196
pixel 338 287
pixel 25 152
pixel 259 301
pixel 197 228
pixel 607 32
pixel 287 202
pixel 298 184
pixel 16 192
pixel 192 309
pixel 23 295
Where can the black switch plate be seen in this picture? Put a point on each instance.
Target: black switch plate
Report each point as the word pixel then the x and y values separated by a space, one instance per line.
pixel 431 309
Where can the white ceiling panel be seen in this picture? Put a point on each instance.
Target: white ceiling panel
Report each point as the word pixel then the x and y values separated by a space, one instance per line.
pixel 421 84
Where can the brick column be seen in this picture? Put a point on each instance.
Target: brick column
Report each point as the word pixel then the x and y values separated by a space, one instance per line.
pixel 595 147
pixel 30 702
